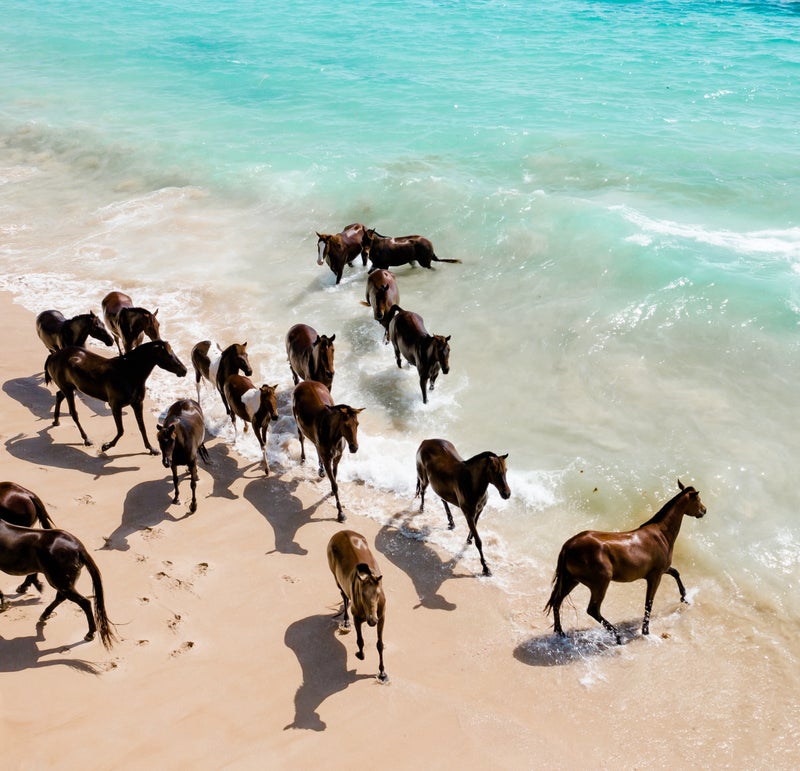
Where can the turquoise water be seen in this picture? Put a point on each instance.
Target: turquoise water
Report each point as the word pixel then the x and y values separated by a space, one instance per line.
pixel 619 179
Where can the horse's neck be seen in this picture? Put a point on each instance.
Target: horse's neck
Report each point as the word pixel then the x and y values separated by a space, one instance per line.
pixel 213 367
pixel 138 361
pixel 330 425
pixel 77 330
pixel 668 519
pixel 475 477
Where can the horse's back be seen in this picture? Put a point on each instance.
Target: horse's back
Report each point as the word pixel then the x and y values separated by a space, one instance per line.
pixel 439 462
pixel 48 327
pixel 346 550
pixel 17 504
pixel 114 302
pixel 309 398
pixel 299 339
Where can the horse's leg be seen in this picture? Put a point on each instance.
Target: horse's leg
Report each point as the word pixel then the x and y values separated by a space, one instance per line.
pixel 302 445
pixel 478 543
pixel 48 611
pixel 198 376
pixel 86 606
pixel 116 411
pixel 225 404
pixel 423 384
pixel 381 671
pixel 653 581
pixel 30 580
pixel 560 592
pixel 681 588
pixel 334 487
pixel 345 625
pixel 397 354
pixel 261 435
pixel 233 421
pixel 70 397
pixel 137 411
pixel 359 620
pixel 432 381
pixel 422 485
pixel 450 524
pixel 2 602
pixel 596 600
pixel 57 411
pixel 294 374
pixel 193 482
pixel 175 498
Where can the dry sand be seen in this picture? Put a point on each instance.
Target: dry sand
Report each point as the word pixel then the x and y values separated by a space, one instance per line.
pixel 229 654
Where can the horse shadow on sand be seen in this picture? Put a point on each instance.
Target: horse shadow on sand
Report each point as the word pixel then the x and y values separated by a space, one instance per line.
pixel 552 650
pixel 22 653
pixel 323 661
pixel 32 393
pixel 407 549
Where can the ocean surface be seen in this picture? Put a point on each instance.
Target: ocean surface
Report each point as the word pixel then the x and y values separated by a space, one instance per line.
pixel 619 179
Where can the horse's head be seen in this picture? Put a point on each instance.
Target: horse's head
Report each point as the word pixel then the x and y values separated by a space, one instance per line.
pixel 497 475
pixel 348 424
pixel 322 246
pixel 269 400
pixel 166 359
pixel 150 325
pixel 368 593
pixel 366 240
pixel 166 441
pixel 441 348
pixel 694 506
pixel 98 330
pixel 323 356
pixel 241 361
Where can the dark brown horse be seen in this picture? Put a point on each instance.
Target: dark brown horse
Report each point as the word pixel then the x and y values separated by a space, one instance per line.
pixel 57 332
pixel 595 559
pixel 120 381
pixel 462 483
pixel 329 426
pixel 60 556
pixel 20 506
pixel 341 249
pixel 428 353
pixel 382 294
pixel 389 252
pixel 310 355
pixel 217 369
pixel 255 406
pixel 361 585
pixel 181 438
pixel 128 322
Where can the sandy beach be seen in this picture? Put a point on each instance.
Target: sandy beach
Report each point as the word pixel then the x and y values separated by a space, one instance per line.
pixel 229 654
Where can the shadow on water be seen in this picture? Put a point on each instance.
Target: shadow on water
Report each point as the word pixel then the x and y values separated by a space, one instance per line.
pixel 551 650
pixel 23 653
pixel 323 660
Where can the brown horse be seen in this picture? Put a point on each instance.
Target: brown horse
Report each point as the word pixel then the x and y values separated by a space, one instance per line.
pixel 595 559
pixel 127 322
pixel 217 370
pixel 60 556
pixel 310 355
pixel 462 483
pixel 341 249
pixel 329 426
pixel 382 293
pixel 120 381
pixel 361 585
pixel 181 438
pixel 20 506
pixel 428 353
pixel 255 406
pixel 390 252
pixel 56 331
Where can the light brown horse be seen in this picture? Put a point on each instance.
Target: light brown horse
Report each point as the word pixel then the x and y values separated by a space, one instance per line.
pixel 120 381
pixel 60 556
pixel 462 483
pixel 129 323
pixel 329 426
pixel 361 585
pixel 56 331
pixel 595 559
pixel 428 353
pixel 217 369
pixel 255 406
pixel 382 293
pixel 341 249
pixel 310 355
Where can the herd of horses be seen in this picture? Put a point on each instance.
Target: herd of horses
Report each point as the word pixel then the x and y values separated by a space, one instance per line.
pixel 591 558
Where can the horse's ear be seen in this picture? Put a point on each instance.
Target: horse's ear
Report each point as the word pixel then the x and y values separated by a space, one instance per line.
pixel 332 338
pixel 275 387
pixel 503 457
pixel 360 409
pixel 362 571
pixel 680 485
pixel 447 338
pixel 159 428
pixel 155 313
pixel 244 345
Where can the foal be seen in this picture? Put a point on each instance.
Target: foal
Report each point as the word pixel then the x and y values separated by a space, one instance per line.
pixel 217 369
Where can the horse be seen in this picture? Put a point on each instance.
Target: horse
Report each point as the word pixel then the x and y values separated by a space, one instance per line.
pixel 129 323
pixel 429 353
pixel 328 426
pixel 255 406
pixel 310 355
pixel 181 439
pixel 595 559
pixel 60 556
pixel 462 483
pixel 386 252
pixel 232 360
pixel 120 381
pixel 382 293
pixel 20 506
pixel 56 331
pixel 360 583
pixel 341 249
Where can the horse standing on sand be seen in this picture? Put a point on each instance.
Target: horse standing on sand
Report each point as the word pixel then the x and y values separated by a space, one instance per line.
pixel 462 483
pixel 129 323
pixel 360 583
pixel 59 556
pixel 255 406
pixel 120 381
pixel 57 332
pixel 310 355
pixel 217 370
pixel 341 249
pixel 595 559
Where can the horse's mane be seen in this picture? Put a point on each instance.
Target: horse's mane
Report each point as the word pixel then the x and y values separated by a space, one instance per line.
pixel 662 512
pixel 481 456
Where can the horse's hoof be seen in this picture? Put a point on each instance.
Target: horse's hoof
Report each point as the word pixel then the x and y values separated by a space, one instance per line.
pixel 487 572
pixel 192 508
pixel 383 678
pixel 89 636
pixel 360 655
pixel 341 517
pixel 153 451
pixel 89 443
pixel 55 423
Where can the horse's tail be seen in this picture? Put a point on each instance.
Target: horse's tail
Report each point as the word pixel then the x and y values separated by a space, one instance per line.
pixel 557 595
pixel 47 378
pixel 203 452
pixel 41 513
pixel 104 626
pixel 443 259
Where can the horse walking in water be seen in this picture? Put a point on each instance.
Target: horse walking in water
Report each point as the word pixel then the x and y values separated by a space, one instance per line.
pixel 218 369
pixel 255 406
pixel 595 559
pixel 310 355
pixel 341 249
pixel 462 483
pixel 20 506
pixel 59 556
pixel 386 252
pixel 56 331
pixel 128 322
pixel 382 293
pixel 120 381
pixel 181 439
pixel 329 426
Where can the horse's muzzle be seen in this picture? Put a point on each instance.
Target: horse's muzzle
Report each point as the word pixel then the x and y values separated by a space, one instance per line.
pixel 353 447
pixel 165 461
